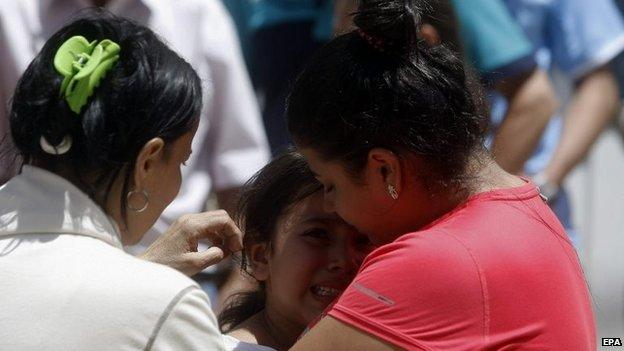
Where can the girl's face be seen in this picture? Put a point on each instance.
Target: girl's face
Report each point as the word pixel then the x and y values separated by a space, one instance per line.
pixel 314 255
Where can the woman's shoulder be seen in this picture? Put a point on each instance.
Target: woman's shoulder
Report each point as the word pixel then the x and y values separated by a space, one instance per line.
pixel 110 274
pixel 419 255
pixel 146 276
pixel 234 344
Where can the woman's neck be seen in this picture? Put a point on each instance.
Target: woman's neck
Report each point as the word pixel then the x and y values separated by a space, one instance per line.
pixel 281 330
pixel 482 174
pixel 488 175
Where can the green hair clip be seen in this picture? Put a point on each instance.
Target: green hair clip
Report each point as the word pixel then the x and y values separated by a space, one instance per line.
pixel 83 65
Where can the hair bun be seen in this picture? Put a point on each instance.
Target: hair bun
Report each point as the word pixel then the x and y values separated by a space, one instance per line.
pixel 394 22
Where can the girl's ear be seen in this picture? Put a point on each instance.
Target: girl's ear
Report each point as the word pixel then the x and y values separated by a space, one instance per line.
pixel 259 257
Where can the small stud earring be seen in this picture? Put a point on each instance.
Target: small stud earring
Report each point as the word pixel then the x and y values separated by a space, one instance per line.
pixel 392 192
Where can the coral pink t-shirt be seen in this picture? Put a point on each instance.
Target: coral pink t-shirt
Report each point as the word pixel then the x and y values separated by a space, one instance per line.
pixel 496 273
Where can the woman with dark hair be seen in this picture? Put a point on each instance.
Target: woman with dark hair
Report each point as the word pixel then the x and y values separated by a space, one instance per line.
pixel 301 256
pixel 470 257
pixel 103 119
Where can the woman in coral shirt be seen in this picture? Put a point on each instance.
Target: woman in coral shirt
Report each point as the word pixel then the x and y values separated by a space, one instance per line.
pixel 470 257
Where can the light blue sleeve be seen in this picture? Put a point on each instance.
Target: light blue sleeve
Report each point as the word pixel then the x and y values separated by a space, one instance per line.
pixel 264 13
pixel 491 37
pixel 584 34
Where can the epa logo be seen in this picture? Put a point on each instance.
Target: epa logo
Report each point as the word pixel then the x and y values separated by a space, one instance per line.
pixel 611 342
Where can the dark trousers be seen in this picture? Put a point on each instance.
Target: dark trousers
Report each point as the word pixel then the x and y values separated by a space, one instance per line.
pixel 278 53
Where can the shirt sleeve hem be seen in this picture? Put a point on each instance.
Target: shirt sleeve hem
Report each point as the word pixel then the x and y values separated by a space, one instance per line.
pixel 524 64
pixel 603 56
pixel 358 321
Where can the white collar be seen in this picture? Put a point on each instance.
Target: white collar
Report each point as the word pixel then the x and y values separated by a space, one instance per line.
pixel 39 202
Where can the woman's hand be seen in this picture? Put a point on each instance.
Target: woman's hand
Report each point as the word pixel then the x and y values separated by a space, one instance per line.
pixel 177 247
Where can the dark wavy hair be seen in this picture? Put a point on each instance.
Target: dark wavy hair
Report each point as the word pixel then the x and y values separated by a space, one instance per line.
pixel 404 96
pixel 442 16
pixel 266 197
pixel 150 92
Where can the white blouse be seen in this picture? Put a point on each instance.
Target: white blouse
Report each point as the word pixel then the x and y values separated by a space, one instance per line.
pixel 66 283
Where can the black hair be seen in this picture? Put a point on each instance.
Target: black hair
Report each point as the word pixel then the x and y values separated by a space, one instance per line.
pixel 403 96
pixel 149 92
pixel 265 199
pixel 442 16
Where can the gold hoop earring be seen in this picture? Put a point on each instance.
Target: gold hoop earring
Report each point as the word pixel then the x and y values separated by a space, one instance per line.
pixel 392 192
pixel 145 196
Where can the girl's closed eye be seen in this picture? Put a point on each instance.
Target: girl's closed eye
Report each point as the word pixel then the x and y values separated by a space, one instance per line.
pixel 317 236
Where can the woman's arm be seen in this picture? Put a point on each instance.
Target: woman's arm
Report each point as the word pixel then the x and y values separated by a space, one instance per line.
pixel 332 334
pixel 594 105
pixel 532 102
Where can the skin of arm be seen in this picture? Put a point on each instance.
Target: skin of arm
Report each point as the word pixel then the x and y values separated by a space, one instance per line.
pixel 332 334
pixel 532 101
pixel 594 104
pixel 343 19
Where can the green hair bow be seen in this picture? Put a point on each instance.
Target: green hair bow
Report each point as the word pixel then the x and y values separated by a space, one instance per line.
pixel 83 65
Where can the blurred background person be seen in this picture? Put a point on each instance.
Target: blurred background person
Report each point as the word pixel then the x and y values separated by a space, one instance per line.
pixel 280 36
pixel 497 48
pixel 618 69
pixel 566 42
pixel 575 41
pixel 492 44
pixel 230 145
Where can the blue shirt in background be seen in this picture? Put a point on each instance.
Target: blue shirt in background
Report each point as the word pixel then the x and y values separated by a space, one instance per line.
pixel 573 37
pixel 495 45
pixel 251 15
